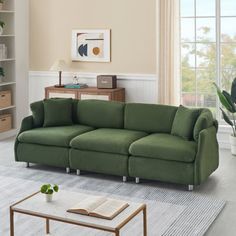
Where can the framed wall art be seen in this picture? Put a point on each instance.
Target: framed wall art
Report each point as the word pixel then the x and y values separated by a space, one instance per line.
pixel 91 45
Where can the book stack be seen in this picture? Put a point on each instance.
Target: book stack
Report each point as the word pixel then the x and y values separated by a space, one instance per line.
pixel 3 51
pixel 76 86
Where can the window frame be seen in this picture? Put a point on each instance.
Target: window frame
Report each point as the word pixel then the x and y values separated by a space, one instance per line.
pixel 218 44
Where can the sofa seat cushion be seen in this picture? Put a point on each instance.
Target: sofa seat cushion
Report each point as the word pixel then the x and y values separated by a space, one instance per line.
pixel 53 136
pixel 164 147
pixel 107 140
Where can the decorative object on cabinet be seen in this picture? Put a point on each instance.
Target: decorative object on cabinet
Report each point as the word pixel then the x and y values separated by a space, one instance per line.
pixel 59 65
pixel 91 45
pixel 106 81
pixel 5 99
pixel 117 94
pixel 5 122
pixel 2 24
pixel 76 86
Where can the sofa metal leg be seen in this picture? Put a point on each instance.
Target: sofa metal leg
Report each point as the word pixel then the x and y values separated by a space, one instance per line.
pixel 124 178
pixel 77 172
pixel 27 164
pixel 67 170
pixel 137 180
pixel 190 187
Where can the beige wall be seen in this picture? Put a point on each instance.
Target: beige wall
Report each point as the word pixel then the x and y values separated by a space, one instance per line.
pixel 132 23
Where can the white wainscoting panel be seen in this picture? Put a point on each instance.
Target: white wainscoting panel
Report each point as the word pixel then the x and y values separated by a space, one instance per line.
pixel 139 88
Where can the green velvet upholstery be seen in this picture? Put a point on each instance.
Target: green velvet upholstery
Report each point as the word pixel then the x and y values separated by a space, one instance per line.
pixel 207 159
pixel 107 140
pixel 164 147
pixel 204 121
pixel 184 122
pixel 101 114
pixel 57 112
pixel 100 162
pixel 75 111
pixel 26 124
pixel 124 139
pixel 162 170
pixel 53 136
pixel 37 109
pixel 42 154
pixel 149 118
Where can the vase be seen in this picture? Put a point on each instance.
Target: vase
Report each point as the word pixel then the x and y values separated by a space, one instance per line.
pixel 233 144
pixel 48 197
pixel 1 30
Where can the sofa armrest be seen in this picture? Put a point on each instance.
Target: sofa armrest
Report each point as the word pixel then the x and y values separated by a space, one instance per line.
pixel 26 124
pixel 207 159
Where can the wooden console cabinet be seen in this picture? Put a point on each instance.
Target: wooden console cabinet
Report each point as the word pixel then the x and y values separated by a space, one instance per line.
pixel 117 94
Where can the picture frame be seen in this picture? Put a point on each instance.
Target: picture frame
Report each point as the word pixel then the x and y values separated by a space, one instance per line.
pixel 91 45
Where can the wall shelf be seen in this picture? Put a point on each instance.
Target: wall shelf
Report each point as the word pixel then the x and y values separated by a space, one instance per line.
pixel 8 108
pixel 7 11
pixel 7 35
pixel 4 83
pixel 15 15
pixel 7 59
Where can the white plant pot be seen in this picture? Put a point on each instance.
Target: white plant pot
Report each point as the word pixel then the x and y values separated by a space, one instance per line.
pixel 233 144
pixel 1 6
pixel 48 197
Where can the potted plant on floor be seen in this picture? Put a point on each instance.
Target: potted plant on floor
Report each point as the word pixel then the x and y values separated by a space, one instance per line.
pixel 1 4
pixel 228 102
pixel 48 190
pixel 1 27
pixel 2 74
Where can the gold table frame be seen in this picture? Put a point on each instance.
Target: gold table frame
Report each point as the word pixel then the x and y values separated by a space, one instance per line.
pixel 116 230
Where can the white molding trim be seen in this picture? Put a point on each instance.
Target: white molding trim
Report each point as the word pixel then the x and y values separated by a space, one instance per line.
pixel 86 75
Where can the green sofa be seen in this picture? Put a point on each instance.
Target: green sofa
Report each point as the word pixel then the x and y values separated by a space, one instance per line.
pixel 155 142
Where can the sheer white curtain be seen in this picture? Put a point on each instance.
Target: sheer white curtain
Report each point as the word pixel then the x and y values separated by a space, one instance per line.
pixel 168 62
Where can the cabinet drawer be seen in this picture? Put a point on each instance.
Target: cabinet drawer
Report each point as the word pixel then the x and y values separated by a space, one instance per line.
pixel 5 122
pixel 85 96
pixel 55 94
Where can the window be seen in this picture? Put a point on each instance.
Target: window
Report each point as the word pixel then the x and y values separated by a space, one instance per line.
pixel 208 50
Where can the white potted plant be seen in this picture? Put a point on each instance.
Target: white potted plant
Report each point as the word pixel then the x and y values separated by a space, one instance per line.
pixel 1 4
pixel 1 27
pixel 228 102
pixel 48 190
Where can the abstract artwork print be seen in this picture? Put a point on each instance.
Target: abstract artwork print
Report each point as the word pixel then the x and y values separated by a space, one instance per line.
pixel 91 45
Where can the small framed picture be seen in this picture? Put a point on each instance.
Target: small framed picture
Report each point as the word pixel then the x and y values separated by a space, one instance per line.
pixel 91 45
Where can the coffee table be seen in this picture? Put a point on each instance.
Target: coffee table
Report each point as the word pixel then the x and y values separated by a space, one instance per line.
pixel 35 205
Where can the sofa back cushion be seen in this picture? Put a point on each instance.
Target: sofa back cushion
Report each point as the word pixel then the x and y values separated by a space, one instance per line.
pixel 184 122
pixel 101 114
pixel 149 117
pixel 37 109
pixel 204 121
pixel 57 112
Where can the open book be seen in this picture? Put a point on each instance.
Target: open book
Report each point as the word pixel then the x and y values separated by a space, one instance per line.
pixel 102 207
